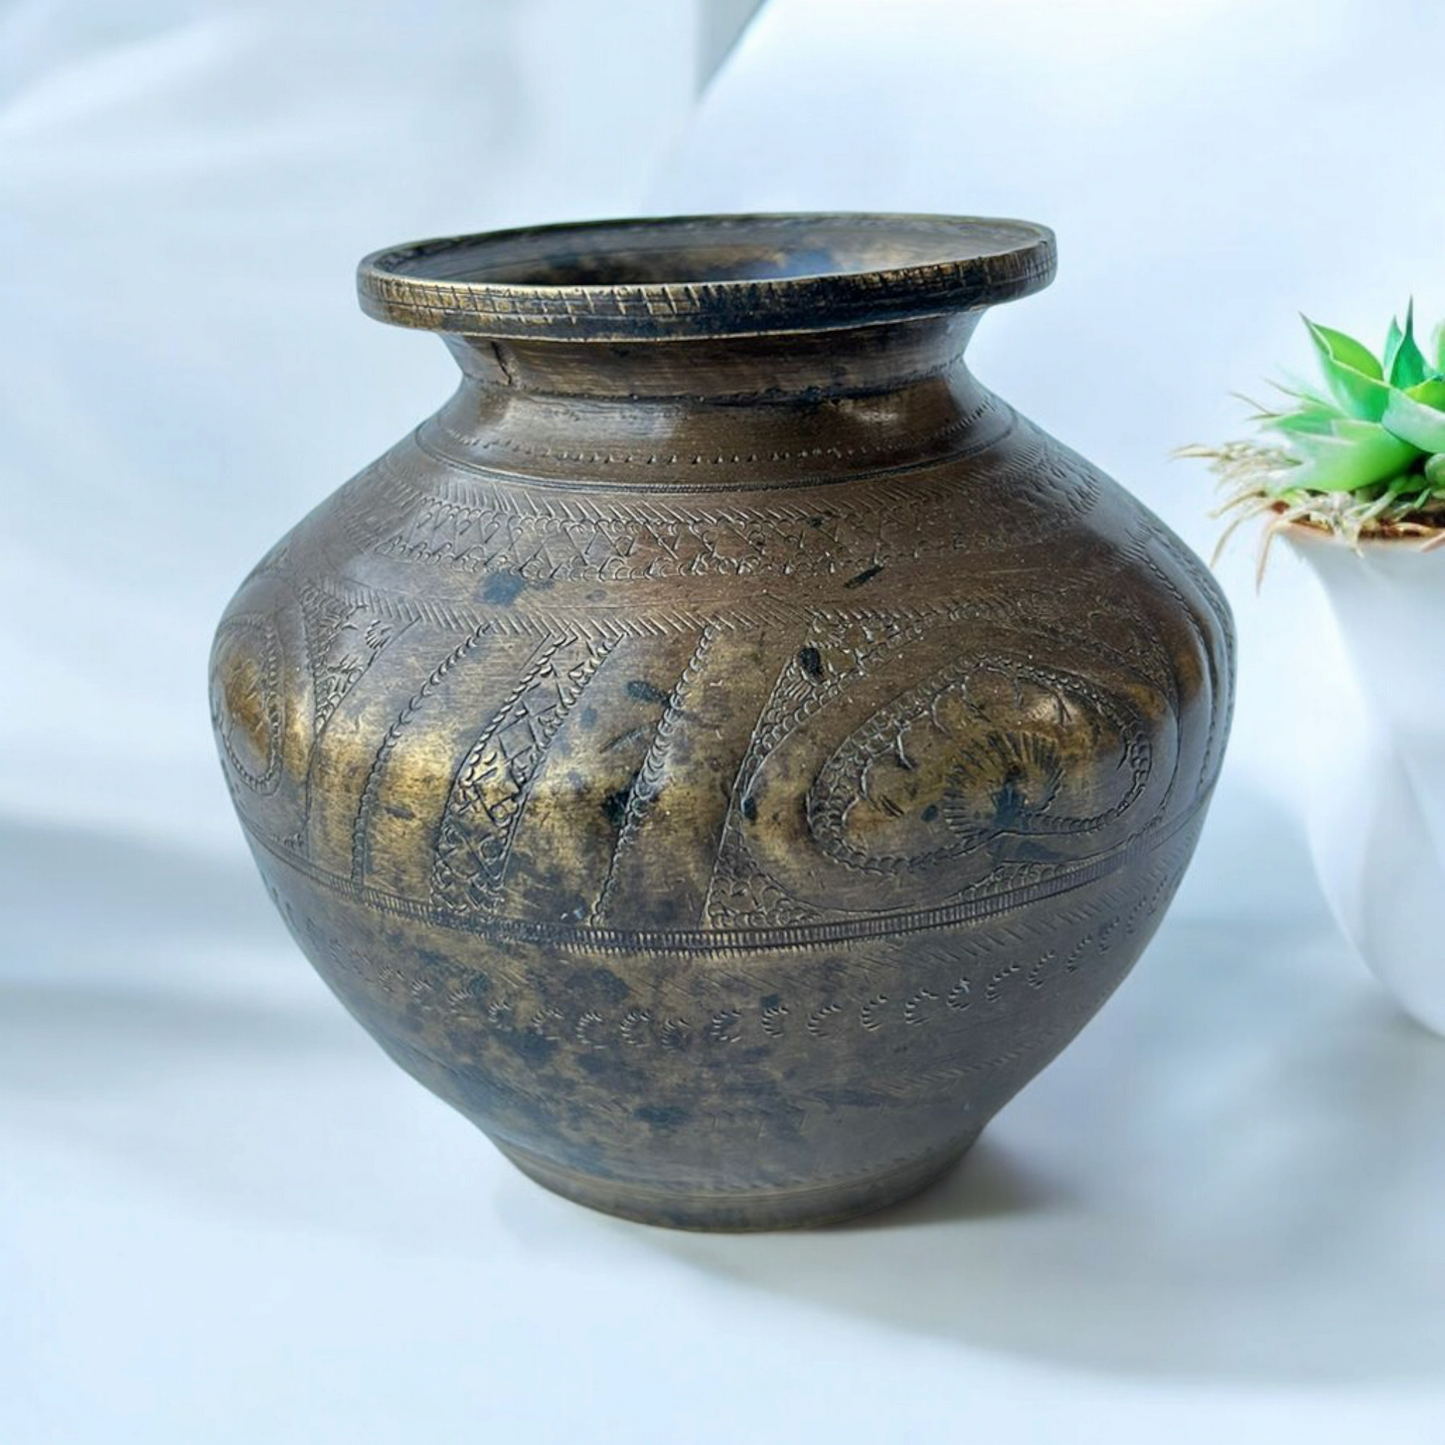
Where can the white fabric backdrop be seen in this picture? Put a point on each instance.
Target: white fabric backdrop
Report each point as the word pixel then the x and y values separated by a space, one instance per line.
pixel 223 1214
pixel 185 189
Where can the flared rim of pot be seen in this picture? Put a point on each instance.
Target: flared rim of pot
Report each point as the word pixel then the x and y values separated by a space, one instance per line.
pixel 689 276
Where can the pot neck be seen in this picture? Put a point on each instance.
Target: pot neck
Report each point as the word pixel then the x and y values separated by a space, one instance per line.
pixel 717 411
pixel 796 367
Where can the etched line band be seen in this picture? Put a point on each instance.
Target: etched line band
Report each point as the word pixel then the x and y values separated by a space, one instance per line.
pixel 746 940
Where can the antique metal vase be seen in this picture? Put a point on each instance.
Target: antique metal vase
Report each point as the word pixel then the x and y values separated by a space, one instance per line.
pixel 726 751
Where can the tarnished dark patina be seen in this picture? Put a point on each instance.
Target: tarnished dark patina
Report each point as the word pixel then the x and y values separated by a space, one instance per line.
pixel 726 751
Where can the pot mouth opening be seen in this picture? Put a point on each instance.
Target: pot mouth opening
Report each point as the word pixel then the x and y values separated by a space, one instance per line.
pixel 659 279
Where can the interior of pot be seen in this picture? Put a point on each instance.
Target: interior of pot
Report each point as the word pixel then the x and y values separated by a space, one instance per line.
pixel 687 251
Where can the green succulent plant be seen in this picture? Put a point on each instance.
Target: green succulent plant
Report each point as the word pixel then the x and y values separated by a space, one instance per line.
pixel 1363 456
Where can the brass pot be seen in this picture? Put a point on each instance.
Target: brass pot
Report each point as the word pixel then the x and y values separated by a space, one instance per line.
pixel 726 751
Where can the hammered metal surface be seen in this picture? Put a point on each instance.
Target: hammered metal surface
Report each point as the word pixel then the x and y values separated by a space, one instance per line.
pixel 725 766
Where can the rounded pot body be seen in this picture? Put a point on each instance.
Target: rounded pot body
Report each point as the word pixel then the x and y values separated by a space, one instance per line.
pixel 1377 826
pixel 726 751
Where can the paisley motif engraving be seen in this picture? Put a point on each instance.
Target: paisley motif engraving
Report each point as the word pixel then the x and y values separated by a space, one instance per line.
pixel 246 701
pixel 997 756
pixel 994 773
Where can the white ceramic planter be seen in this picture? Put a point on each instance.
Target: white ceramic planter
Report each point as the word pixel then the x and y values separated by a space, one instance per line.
pixel 1377 823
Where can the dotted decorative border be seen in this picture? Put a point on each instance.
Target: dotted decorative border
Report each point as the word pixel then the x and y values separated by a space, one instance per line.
pixel 723 942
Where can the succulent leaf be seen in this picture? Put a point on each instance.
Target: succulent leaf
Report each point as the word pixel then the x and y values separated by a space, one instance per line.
pixel 1417 416
pixel 1307 418
pixel 1293 386
pixel 1351 455
pixel 1405 365
pixel 1352 371
pixel 1435 471
pixel 1337 346
pixel 1393 337
pixel 1430 392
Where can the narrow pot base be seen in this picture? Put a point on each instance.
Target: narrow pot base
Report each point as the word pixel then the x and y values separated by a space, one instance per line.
pixel 742 1212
